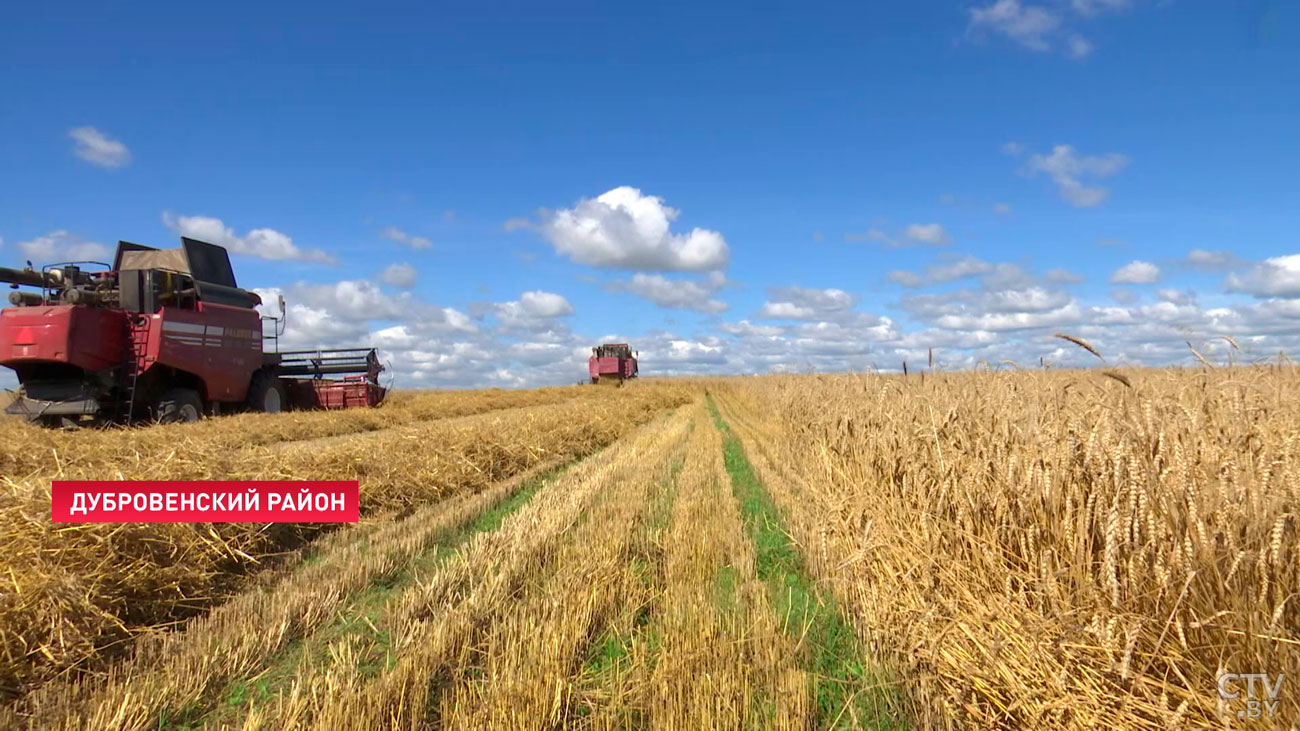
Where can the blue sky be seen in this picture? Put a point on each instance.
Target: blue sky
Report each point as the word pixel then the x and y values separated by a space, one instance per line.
pixel 482 188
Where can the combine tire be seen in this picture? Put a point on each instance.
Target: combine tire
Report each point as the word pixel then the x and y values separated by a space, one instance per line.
pixel 266 393
pixel 179 404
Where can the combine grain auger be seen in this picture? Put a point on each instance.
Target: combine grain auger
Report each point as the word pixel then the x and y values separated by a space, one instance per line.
pixel 160 334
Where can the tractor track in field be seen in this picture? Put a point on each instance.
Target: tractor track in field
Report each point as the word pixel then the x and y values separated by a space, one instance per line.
pixel 396 431
pixel 283 609
pixel 647 585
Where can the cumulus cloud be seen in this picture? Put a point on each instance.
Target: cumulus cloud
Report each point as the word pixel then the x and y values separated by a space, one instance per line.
pixel 916 234
pixel 534 311
pixel 947 269
pixel 351 300
pixel 1177 296
pixel 683 294
pixel 1092 7
pixel 906 278
pixel 624 228
pixel 786 311
pixel 745 327
pixel 399 275
pixel 1029 25
pixel 1063 276
pixel 1136 272
pixel 1068 169
pixel 263 243
pixel 393 233
pixel 1041 27
pixel 993 276
pixel 950 270
pixel 59 246
pixel 1212 261
pixel 97 148
pixel 346 313
pixel 525 342
pixel 1275 277
pixel 803 303
pixel 1077 46
pixel 1124 295
pixel 928 233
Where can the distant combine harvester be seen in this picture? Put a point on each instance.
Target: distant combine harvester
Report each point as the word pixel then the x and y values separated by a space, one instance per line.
pixel 612 364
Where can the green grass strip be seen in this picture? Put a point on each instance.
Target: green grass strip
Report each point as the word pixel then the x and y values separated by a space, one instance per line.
pixel 849 692
pixel 360 617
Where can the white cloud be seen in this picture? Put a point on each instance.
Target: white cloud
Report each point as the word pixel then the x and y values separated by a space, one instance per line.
pixel 1068 169
pixel 1212 261
pixel 803 303
pixel 684 294
pixel 959 268
pixel 1177 296
pixel 626 229
pixel 394 233
pixel 1077 46
pixel 1063 276
pixel 928 233
pixel 545 304
pixel 263 243
pixel 1007 276
pixel 1041 27
pixel 97 148
pixel 1275 277
pixel 1013 148
pixel 1124 296
pixel 745 327
pixel 1092 7
pixel 59 246
pixel 1002 209
pixel 1136 272
pixel 916 234
pixel 785 311
pixel 535 311
pixel 1029 25
pixel 399 275
pixel 351 300
pixel 1005 321
pixel 949 268
pixel 906 278
pixel 993 276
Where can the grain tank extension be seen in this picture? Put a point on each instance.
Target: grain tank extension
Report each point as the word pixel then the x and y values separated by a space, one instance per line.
pixel 164 335
pixel 611 363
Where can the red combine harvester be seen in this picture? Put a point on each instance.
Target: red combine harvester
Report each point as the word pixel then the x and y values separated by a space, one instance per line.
pixel 612 363
pixel 164 335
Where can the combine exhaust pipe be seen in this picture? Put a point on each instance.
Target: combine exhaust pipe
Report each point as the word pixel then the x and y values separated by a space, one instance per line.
pixel 29 277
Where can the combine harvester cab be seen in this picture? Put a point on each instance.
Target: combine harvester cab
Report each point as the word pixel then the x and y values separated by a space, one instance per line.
pixel 163 335
pixel 612 363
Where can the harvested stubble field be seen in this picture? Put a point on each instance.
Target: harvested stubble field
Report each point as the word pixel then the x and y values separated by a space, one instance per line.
pixel 1016 549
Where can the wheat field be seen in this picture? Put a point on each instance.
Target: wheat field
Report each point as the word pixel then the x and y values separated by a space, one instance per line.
pixel 995 549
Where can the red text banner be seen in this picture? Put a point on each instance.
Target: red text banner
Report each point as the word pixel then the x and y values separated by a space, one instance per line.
pixel 96 501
